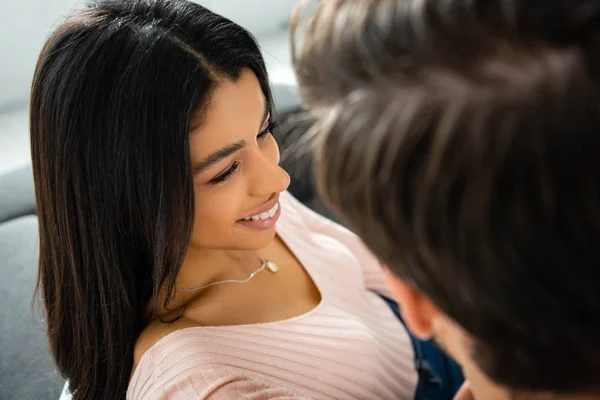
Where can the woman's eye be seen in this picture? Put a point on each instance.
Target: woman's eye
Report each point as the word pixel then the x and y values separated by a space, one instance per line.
pixel 225 175
pixel 267 131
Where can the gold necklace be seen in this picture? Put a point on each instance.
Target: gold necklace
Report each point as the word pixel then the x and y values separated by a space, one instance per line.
pixel 264 264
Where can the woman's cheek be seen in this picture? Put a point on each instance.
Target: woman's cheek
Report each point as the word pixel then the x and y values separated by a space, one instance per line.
pixel 217 209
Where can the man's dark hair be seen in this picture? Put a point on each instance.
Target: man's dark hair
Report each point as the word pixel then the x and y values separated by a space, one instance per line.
pixel 461 140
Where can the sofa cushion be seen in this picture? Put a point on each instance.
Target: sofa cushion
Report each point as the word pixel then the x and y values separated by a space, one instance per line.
pixel 26 368
pixel 16 193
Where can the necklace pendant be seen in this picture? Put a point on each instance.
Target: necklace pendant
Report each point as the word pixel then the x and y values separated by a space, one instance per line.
pixel 271 266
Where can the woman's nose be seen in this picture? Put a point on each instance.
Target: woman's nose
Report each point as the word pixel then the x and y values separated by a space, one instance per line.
pixel 268 177
pixel 282 179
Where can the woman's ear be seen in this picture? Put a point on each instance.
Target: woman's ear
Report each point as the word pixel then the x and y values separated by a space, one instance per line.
pixel 418 312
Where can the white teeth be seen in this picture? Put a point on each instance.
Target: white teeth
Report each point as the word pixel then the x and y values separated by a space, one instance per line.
pixel 265 215
pixel 273 210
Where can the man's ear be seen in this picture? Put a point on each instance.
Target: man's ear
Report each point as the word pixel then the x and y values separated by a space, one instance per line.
pixel 418 312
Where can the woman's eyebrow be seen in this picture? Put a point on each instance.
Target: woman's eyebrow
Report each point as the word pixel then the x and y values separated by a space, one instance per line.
pixel 218 155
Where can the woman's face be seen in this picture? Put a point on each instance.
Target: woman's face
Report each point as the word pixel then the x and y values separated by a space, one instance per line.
pixel 235 167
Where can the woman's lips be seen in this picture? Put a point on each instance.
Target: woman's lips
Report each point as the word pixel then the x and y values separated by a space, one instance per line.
pixel 263 223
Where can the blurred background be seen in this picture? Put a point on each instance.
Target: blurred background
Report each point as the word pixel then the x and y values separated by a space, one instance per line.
pixel 26 24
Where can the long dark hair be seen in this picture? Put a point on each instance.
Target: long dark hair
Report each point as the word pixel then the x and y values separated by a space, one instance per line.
pixel 112 97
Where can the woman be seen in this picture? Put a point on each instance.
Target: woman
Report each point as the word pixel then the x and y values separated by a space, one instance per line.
pixel 173 263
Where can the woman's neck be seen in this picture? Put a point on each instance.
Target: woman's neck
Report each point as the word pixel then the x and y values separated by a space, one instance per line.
pixel 202 267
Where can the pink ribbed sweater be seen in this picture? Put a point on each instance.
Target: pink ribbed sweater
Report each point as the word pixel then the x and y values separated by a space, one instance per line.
pixel 350 346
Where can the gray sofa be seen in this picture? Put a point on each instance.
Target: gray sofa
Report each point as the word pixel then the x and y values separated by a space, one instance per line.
pixel 26 368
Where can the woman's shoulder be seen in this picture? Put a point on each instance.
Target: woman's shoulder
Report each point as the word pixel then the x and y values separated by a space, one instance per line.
pixel 159 353
pixel 211 382
pixel 181 360
pixel 154 333
pixel 162 346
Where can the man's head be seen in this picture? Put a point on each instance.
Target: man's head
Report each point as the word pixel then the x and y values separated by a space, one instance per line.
pixel 461 140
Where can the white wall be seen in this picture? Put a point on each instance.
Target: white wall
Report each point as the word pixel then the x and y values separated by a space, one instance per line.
pixel 261 17
pixel 24 25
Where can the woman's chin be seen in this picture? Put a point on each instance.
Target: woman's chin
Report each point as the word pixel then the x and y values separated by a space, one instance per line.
pixel 259 241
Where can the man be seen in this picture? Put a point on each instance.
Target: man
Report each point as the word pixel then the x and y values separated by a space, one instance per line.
pixel 461 140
